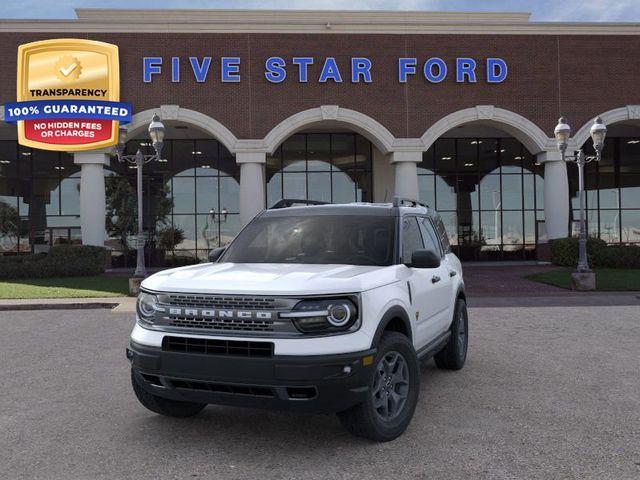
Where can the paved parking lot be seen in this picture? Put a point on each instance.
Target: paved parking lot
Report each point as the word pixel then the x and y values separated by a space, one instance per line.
pixel 547 393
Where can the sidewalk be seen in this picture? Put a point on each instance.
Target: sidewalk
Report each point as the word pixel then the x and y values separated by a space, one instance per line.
pixel 118 304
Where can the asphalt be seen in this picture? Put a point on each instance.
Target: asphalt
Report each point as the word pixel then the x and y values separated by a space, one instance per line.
pixel 547 393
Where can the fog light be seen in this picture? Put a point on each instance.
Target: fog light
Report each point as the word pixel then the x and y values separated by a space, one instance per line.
pixel 368 360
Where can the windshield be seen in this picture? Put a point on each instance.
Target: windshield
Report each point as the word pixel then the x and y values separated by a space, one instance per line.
pixel 323 239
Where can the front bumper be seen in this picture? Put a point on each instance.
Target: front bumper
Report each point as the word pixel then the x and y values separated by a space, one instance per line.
pixel 319 383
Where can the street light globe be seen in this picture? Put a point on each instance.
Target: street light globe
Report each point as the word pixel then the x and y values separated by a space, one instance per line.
pixel 598 132
pixel 156 129
pixel 562 133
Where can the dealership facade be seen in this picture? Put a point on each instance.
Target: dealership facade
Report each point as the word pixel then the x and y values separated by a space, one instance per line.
pixel 456 109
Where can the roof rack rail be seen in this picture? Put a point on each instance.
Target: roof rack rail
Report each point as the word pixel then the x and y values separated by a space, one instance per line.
pixel 400 201
pixel 292 202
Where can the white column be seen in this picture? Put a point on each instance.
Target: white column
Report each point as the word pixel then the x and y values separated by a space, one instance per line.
pixel 93 208
pixel 556 194
pixel 406 173
pixel 252 188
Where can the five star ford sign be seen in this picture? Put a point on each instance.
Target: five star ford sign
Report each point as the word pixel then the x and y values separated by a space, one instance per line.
pixel 68 95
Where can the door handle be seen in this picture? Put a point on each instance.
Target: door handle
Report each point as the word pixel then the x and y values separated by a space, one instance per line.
pixel 452 273
pixel 435 279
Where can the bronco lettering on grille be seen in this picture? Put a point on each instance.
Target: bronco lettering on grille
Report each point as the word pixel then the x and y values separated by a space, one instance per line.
pixel 211 313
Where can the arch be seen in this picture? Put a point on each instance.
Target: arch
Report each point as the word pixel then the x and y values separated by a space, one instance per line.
pixel 374 131
pixel 141 120
pixel 622 114
pixel 527 132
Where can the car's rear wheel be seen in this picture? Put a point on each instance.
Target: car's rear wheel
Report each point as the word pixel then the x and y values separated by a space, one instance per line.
pixel 164 406
pixel 393 392
pixel 454 353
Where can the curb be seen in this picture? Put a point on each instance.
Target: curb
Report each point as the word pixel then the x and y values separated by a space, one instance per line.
pixel 57 306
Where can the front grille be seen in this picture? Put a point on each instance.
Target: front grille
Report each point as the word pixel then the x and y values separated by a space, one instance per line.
pixel 217 347
pixel 219 301
pixel 252 390
pixel 234 324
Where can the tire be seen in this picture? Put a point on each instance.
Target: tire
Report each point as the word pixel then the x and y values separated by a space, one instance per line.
pixel 454 353
pixel 164 406
pixel 395 356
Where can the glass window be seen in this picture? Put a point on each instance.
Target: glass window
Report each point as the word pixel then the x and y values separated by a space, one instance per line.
pixel 630 190
pixel 630 226
pixel 610 226
pixel 442 234
pixel 511 155
pixel 182 159
pixel 183 189
pixel 8 159
pixel 426 189
pixel 411 238
pixel 445 194
pixel 349 240
pixel 294 153
pixel 328 167
pixel 320 185
pixel 512 192
pixel 207 194
pixel 318 151
pixel 429 236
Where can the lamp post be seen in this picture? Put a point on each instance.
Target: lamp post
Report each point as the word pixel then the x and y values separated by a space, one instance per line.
pixel 156 133
pixel 562 133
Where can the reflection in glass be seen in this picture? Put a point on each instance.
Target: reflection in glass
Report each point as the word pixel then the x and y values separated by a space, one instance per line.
pixel 328 167
pixel 630 222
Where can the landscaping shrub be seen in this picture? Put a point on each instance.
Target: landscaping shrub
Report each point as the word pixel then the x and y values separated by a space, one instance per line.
pixel 172 261
pixel 61 261
pixel 564 252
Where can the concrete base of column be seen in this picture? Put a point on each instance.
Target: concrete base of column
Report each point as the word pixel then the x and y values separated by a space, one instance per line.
pixel 252 187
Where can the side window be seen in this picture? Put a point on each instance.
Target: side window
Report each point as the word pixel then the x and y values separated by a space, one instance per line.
pixel 429 235
pixel 411 238
pixel 442 234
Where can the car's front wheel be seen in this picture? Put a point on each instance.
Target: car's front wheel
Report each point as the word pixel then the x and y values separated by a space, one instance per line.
pixel 164 406
pixel 393 392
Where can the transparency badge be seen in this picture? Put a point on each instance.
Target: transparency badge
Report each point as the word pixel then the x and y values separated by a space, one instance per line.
pixel 68 95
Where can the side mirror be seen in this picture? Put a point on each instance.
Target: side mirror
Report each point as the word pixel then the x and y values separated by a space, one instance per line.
pixel 216 253
pixel 425 259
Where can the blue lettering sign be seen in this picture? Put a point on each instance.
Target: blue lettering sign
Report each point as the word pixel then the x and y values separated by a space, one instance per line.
pixel 303 66
pixel 200 71
pixel 360 67
pixel 406 66
pixel 275 69
pixel 151 66
pixel 465 67
pixel 175 69
pixel 496 70
pixel 330 71
pixel 428 70
pixel 230 69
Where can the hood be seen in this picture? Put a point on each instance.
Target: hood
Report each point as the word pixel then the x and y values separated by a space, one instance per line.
pixel 271 278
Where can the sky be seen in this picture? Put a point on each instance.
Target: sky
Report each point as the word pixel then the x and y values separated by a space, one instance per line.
pixel 542 10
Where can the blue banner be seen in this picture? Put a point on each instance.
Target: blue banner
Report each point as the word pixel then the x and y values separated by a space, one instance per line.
pixel 67 109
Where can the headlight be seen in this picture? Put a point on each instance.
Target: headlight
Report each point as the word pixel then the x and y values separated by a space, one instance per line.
pixel 324 315
pixel 146 306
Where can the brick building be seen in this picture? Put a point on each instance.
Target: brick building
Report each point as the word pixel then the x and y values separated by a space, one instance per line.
pixel 457 109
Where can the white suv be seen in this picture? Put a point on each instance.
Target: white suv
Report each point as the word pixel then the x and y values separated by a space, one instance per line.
pixel 322 308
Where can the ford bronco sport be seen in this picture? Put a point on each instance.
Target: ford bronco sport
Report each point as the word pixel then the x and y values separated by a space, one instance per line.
pixel 321 308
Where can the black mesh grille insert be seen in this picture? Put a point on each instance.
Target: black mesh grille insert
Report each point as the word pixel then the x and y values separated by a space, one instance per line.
pixel 217 347
pixel 207 323
pixel 253 390
pixel 215 301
